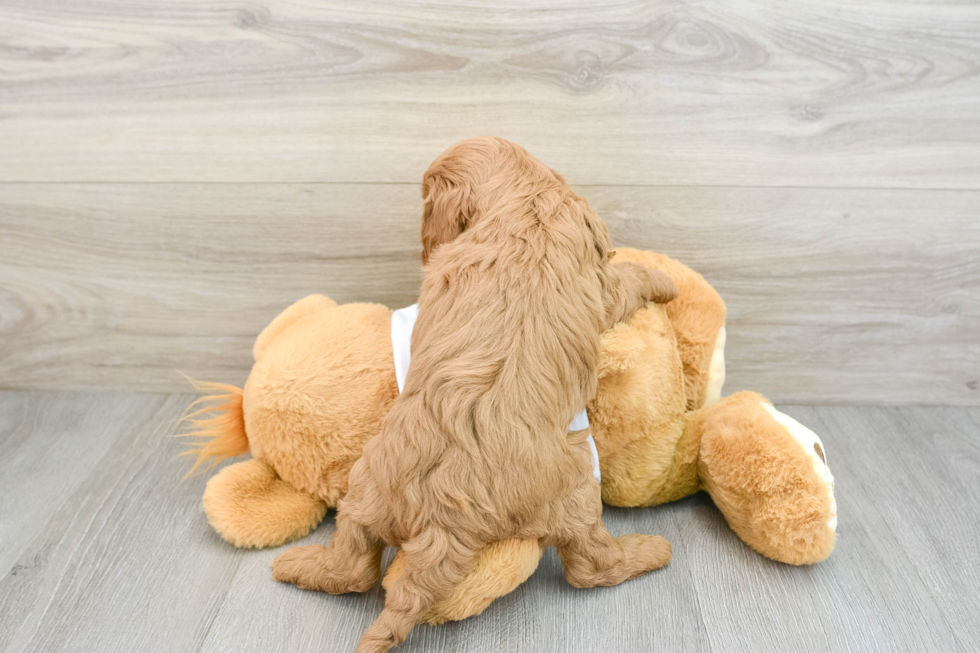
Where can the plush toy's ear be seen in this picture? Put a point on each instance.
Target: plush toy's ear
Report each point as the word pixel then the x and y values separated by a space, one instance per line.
pixel 622 347
pixel 307 306
pixel 447 211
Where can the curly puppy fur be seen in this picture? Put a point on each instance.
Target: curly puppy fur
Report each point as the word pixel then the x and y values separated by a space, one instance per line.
pixel 517 290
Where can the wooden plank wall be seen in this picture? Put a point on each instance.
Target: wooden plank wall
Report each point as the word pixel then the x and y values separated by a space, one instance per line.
pixel 174 173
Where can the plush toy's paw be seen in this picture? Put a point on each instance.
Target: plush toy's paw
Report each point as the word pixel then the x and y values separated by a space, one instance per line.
pixel 499 569
pixel 812 447
pixel 250 506
pixel 767 473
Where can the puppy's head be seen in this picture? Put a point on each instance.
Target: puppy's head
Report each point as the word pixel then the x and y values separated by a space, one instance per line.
pixel 467 178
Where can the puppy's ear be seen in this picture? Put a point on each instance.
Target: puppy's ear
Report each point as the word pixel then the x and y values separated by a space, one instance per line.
pixel 447 211
pixel 596 227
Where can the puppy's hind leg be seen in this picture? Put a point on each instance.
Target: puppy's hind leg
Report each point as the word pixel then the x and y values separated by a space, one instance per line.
pixel 435 562
pixel 352 562
pixel 591 556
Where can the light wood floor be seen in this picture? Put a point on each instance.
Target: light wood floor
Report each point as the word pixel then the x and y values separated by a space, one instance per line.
pixel 104 549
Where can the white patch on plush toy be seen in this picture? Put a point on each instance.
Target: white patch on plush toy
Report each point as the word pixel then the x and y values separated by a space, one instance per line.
pixel 812 447
pixel 402 324
pixel 716 370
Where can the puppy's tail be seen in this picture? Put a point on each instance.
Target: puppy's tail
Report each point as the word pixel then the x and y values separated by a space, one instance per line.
pixel 219 435
pixel 436 561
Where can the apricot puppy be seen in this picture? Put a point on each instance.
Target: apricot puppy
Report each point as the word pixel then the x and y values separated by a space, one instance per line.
pixel 518 288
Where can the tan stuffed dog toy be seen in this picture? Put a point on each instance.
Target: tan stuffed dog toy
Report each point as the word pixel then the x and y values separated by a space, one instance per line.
pixel 324 378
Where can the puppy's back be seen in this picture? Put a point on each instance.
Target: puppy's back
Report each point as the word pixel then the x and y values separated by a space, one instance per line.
pixel 503 354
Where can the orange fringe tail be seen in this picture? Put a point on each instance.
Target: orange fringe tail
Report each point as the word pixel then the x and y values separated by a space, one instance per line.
pixel 220 435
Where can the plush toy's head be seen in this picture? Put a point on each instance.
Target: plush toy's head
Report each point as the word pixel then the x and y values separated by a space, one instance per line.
pixel 320 387
pixel 697 317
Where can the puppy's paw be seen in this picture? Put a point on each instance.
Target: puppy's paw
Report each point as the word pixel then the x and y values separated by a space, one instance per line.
pixel 303 566
pixel 645 553
pixel 324 569
pixel 653 285
pixel 659 287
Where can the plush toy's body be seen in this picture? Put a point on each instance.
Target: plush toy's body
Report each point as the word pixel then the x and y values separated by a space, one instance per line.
pixel 324 379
